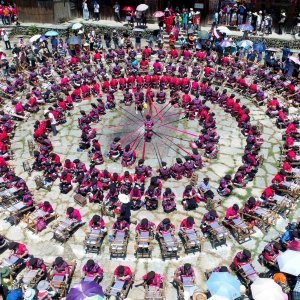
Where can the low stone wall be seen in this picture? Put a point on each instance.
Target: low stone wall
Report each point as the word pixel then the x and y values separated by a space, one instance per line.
pixel 65 31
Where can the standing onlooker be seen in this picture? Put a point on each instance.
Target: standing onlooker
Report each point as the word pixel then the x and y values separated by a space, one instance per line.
pixel 161 23
pixel 281 22
pixel 144 19
pixel 286 51
pixel 91 37
pixel 6 14
pixel 115 39
pixel 6 40
pixel 215 19
pixel 138 17
pixel 196 20
pixel 260 20
pixel 138 42
pixel 107 39
pixel 249 18
pixel 241 12
pixel 254 21
pixel 85 10
pixel 270 24
pixel 96 11
pixel 150 41
pixel 116 8
pixel 184 20
pixel 190 28
pixel 52 121
pixel 54 43
pixel 178 21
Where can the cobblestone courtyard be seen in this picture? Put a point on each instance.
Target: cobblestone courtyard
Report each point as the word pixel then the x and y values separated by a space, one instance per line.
pixel 231 146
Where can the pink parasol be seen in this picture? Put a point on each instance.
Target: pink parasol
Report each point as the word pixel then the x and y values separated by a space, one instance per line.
pixel 158 14
pixel 294 245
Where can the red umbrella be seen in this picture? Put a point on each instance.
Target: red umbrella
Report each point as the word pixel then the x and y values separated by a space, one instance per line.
pixel 294 245
pixel 128 8
pixel 158 14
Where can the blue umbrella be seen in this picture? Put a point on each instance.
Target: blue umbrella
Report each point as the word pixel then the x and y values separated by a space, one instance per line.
pixel 223 284
pixel 74 40
pixel 51 33
pixel 245 27
pixel 259 47
pixel 85 289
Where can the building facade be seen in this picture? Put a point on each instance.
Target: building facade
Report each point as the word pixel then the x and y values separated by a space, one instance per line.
pixel 56 11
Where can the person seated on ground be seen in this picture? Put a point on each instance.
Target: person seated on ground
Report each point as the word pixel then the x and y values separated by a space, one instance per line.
pixel 116 149
pixel 47 208
pixel 225 188
pixel 164 171
pixel 145 170
pixel 60 267
pixel 74 215
pixel 65 182
pixel 288 236
pixel 120 225
pixel 36 264
pixel 92 269
pixel 128 156
pixel 123 273
pixel 204 188
pixel 18 249
pixel 232 213
pixel 251 205
pixel 268 194
pixel 221 269
pixel 136 198
pixel 152 279
pixel 242 258
pixel 271 251
pixel 208 218
pixel 190 198
pixel 184 271
pixel 168 202
pixel 151 199
pixel 145 225
pixel 165 226
pixel 97 223
pixel 27 200
pixel 187 224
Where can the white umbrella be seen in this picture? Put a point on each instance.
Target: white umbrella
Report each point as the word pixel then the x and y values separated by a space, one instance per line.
pixel 224 29
pixel 266 288
pixel 142 7
pixel 76 26
pixel 35 38
pixel 289 262
pixel 294 59
pixel 216 297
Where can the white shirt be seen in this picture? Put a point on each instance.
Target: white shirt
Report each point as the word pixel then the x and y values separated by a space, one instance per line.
pixel 117 8
pixel 52 119
pixel 5 37
pixel 96 8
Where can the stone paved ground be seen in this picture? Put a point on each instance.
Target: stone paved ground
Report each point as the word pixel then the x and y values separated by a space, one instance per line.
pixel 231 148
